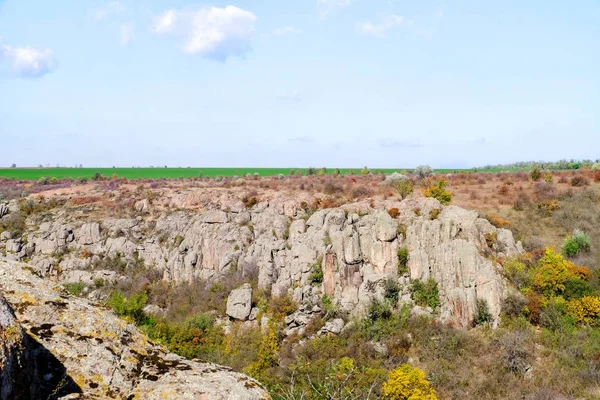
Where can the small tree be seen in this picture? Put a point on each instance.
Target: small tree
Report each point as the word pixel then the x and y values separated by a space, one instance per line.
pixel 408 383
pixel 423 171
pixel 536 174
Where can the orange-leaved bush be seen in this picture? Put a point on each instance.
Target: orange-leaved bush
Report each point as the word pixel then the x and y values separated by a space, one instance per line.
pixel 407 383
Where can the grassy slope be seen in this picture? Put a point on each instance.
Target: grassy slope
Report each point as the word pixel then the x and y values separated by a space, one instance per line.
pixel 156 173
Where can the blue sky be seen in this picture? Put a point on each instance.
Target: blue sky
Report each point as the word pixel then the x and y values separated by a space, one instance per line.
pixel 297 83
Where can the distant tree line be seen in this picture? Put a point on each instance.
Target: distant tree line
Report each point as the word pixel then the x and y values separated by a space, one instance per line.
pixel 544 165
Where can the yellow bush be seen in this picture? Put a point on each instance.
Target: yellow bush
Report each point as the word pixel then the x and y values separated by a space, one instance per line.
pixel 585 310
pixel 552 273
pixel 407 383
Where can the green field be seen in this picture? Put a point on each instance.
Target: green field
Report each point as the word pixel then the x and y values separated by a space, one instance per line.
pixel 158 173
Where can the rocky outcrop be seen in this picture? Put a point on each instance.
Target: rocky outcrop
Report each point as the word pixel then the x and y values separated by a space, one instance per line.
pixel 354 248
pixel 76 347
pixel 239 302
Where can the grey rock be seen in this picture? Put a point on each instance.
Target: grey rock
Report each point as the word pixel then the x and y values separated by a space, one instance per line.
pixel 239 302
pixel 69 329
pixel 6 235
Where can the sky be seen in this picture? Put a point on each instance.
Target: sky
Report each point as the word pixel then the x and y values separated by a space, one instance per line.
pixel 298 83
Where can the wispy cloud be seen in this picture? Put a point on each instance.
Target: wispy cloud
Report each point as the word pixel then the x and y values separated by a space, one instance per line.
pixel 29 62
pixel 294 96
pixel 404 143
pixel 216 33
pixel 288 30
pixel 380 29
pixel 326 7
pixel 110 8
pixel 127 34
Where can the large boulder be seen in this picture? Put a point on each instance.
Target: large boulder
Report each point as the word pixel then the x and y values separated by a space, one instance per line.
pixel 239 303
pixel 101 355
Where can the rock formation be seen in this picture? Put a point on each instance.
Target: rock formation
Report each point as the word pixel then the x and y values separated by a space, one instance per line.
pixel 353 247
pixel 55 345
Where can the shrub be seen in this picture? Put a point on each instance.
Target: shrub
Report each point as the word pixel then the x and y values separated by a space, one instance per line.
pixel 280 307
pixel 269 346
pixel 576 288
pixel 497 221
pixel 402 261
pixel 585 310
pixel 595 167
pixel 521 201
pixel 482 313
pixel 379 310
pixel 131 308
pixel 434 213
pixel 551 273
pixel 404 188
pixel 514 305
pixel 316 277
pixel 407 383
pixel 394 212
pixel 547 208
pixel 517 273
pixel 438 191
pixel 535 174
pixel 391 290
pixel 578 242
pixel 579 181
pixel 74 288
pixel 425 294
pixel 515 351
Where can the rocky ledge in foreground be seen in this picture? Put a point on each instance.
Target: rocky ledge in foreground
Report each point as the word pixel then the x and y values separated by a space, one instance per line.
pixel 53 346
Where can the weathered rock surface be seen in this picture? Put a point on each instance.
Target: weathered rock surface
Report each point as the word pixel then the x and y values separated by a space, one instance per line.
pixel 77 347
pixel 239 302
pixel 355 247
pixel 3 209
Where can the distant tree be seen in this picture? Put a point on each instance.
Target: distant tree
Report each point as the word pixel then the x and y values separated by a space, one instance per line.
pixel 13 166
pixel 423 171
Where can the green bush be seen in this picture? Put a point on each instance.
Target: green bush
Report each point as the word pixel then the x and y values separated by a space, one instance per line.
pixel 425 294
pixel 131 308
pixel 379 310
pixel 402 261
pixel 579 242
pixel 482 313
pixel 576 288
pixel 74 288
pixel 316 277
pixel 391 290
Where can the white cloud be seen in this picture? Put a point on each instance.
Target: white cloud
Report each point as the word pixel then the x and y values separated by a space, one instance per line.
pixel 380 29
pixel 110 8
pixel 213 32
pixel 127 33
pixel 29 62
pixel 166 22
pixel 328 6
pixel 293 96
pixel 288 30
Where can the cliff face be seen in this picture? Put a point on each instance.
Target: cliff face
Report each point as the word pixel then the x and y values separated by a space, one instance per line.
pixel 58 346
pixel 355 245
